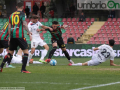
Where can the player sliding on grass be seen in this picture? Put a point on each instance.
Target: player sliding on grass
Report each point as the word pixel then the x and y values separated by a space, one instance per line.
pixel 57 40
pixel 18 58
pixel 16 36
pixel 33 26
pixel 105 52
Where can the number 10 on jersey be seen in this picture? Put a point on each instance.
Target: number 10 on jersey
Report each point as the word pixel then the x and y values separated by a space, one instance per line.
pixel 15 19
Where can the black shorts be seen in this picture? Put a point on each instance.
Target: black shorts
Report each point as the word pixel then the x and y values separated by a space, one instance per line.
pixel 15 42
pixel 60 42
pixel 3 43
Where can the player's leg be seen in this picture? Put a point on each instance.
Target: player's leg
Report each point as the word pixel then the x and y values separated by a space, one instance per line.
pixel 34 44
pixel 54 44
pixel 62 46
pixel 6 52
pixel 1 50
pixel 79 64
pixel 35 62
pixel 24 61
pixel 24 46
pixel 30 55
pixel 1 46
pixel 92 62
pixel 44 52
pixel 5 43
pixel 67 55
pixel 8 57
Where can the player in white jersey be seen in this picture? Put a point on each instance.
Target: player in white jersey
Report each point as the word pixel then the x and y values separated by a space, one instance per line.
pixel 33 26
pixel 18 59
pixel 105 52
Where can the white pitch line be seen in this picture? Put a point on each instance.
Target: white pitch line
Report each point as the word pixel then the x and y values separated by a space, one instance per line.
pixel 101 85
pixel 48 83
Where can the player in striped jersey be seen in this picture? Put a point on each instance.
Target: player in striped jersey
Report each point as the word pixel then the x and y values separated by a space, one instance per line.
pixel 57 40
pixel 3 37
pixel 4 42
pixel 16 36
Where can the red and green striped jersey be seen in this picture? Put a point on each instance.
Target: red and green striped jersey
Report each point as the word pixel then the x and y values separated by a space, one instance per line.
pixel 56 34
pixel 4 32
pixel 16 20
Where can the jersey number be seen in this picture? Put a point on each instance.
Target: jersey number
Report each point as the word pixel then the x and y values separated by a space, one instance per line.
pixel 105 53
pixel 15 19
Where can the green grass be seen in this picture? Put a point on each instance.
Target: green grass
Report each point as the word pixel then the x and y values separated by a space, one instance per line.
pixel 62 77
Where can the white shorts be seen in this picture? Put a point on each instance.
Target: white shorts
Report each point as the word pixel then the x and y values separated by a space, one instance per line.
pixel 94 61
pixel 16 59
pixel 35 43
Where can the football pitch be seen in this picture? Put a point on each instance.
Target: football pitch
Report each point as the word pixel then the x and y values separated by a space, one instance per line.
pixel 63 77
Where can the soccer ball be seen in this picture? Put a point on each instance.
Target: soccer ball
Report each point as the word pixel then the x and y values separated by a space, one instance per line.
pixel 53 62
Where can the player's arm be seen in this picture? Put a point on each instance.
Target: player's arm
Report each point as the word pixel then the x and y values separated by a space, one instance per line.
pixel 96 49
pixel 26 28
pixel 40 29
pixel 30 29
pixel 45 27
pixel 9 31
pixel 63 26
pixel 112 63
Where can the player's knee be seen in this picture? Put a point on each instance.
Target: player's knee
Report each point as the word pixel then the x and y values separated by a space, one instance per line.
pixel 25 55
pixel 63 49
pixel 55 47
pixel 10 55
pixel 46 47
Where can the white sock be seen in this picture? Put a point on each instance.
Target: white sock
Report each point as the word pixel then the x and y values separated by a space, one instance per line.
pixel 37 62
pixel 29 57
pixel 77 64
pixel 43 54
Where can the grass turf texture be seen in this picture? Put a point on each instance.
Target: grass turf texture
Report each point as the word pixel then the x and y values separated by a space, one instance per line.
pixel 62 77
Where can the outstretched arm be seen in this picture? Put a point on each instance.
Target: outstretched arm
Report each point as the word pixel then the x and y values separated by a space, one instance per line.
pixel 95 49
pixel 64 26
pixel 40 30
pixel 112 63
pixel 45 27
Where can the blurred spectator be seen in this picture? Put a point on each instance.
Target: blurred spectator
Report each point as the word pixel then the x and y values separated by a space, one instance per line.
pixel 42 9
pixel 51 13
pixel 35 9
pixel 70 40
pixel 67 13
pixel 112 14
pixel 72 10
pixel 82 17
pixel 27 11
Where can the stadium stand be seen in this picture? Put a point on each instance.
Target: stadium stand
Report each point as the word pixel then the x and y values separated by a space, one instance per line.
pixel 110 30
pixel 89 32
pixel 74 27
